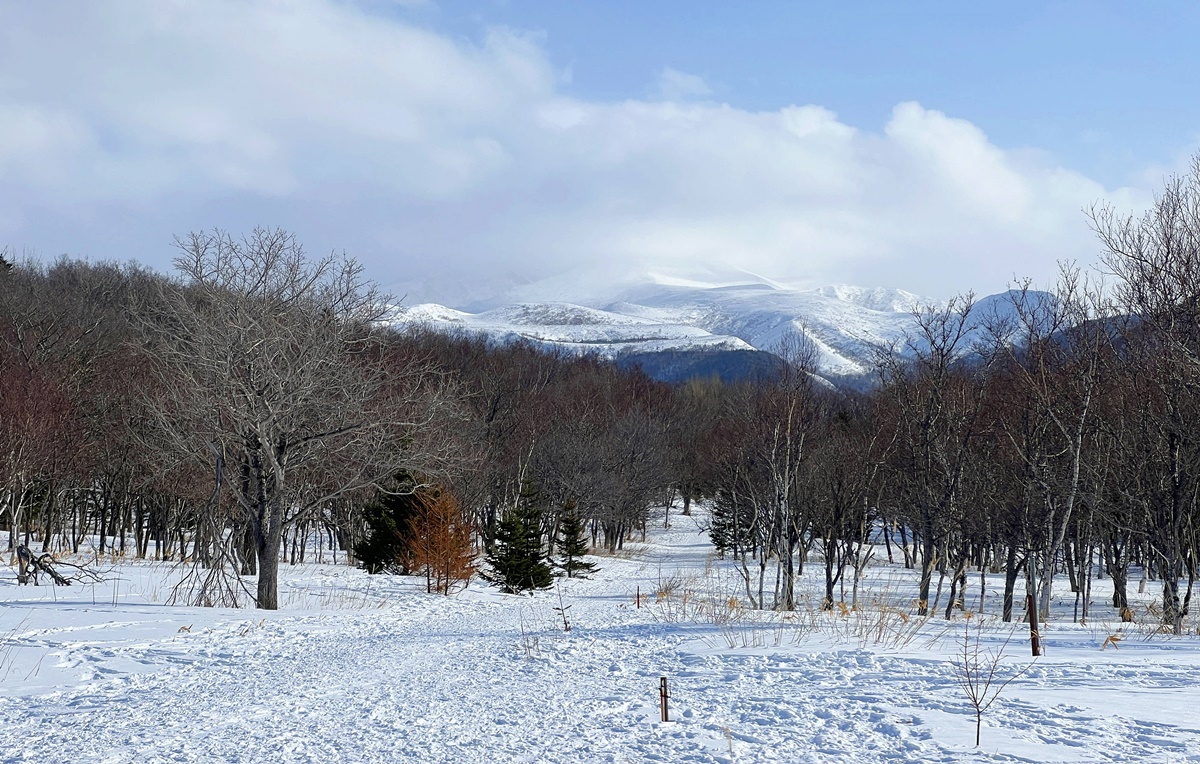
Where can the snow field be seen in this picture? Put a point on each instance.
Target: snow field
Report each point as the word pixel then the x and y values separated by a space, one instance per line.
pixel 359 668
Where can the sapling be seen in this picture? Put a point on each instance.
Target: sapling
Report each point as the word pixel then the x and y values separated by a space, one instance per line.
pixel 562 610
pixel 976 670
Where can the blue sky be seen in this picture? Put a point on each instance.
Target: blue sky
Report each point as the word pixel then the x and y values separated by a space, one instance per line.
pixel 457 148
pixel 1108 87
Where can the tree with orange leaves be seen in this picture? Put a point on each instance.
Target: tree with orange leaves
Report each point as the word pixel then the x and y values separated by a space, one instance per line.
pixel 442 543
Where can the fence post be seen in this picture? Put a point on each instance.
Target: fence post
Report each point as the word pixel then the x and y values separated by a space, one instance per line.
pixel 662 696
pixel 1035 643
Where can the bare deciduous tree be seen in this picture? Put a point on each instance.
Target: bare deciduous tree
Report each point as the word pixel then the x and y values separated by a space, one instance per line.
pixel 978 672
pixel 936 400
pixel 1156 258
pixel 272 369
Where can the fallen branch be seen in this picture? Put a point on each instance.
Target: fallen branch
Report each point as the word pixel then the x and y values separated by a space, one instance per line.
pixel 29 565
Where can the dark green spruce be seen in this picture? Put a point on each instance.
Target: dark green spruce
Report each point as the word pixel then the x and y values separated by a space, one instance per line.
pixel 389 530
pixel 517 557
pixel 572 546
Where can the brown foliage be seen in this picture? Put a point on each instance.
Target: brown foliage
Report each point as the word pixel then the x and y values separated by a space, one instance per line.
pixel 442 545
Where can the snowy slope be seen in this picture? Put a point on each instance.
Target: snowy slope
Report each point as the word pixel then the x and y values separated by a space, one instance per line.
pixel 572 327
pixel 360 668
pixel 846 324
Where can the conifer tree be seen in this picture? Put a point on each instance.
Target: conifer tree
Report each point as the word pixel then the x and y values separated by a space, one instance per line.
pixel 723 528
pixel 442 544
pixel 389 519
pixel 572 546
pixel 517 557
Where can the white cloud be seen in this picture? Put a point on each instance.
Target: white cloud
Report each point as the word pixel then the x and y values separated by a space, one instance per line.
pixel 674 85
pixel 420 153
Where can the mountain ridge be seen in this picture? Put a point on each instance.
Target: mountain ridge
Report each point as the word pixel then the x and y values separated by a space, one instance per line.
pixel 845 324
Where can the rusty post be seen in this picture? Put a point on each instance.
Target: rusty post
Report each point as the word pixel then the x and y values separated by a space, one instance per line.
pixel 1035 642
pixel 662 696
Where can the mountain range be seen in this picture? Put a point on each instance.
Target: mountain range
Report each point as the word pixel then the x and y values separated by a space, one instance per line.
pixel 678 328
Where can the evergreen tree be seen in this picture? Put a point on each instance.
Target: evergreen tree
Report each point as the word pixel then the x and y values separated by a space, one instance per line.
pixel 5 264
pixel 720 530
pixel 572 546
pixel 389 518
pixel 729 530
pixel 517 558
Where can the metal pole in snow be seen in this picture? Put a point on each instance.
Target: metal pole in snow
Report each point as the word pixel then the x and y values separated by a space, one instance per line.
pixel 662 696
pixel 637 598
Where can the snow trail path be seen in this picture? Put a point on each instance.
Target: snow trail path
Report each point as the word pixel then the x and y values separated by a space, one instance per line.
pixel 482 677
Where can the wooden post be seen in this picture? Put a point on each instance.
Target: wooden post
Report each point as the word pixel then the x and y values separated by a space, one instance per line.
pixel 662 697
pixel 1035 643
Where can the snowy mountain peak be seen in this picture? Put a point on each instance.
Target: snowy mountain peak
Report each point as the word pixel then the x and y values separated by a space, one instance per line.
pixel 879 298
pixel 571 327
pixel 430 313
pixel 709 277
pixel 700 312
pixel 690 312
pixel 557 314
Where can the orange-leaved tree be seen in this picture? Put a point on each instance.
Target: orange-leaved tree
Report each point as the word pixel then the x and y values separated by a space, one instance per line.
pixel 442 543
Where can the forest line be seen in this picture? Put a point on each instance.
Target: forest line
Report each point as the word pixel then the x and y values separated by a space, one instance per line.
pixel 257 402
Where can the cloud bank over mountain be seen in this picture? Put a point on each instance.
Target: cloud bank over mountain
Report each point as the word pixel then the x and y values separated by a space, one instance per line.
pixel 438 160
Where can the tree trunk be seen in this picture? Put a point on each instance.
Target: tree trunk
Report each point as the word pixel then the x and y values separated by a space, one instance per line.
pixel 1011 570
pixel 1118 572
pixel 247 549
pixel 928 560
pixel 267 546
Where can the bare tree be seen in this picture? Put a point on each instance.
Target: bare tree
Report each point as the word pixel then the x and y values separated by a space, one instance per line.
pixel 275 378
pixel 977 671
pixel 1053 356
pixel 936 398
pixel 1156 258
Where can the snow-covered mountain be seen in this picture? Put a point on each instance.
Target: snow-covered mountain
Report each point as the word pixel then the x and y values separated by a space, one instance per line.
pixel 574 327
pixel 845 324
pixel 662 313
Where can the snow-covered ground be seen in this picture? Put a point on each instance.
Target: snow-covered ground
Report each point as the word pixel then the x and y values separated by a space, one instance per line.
pixel 360 668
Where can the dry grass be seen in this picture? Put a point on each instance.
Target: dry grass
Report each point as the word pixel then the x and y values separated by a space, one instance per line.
pixel 10 644
pixel 710 598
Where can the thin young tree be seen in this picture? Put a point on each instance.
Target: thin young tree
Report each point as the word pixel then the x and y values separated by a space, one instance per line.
pixel 978 672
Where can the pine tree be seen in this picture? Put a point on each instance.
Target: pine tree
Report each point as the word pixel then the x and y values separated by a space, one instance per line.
pixel 728 529
pixel 572 546
pixel 720 530
pixel 389 518
pixel 517 558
